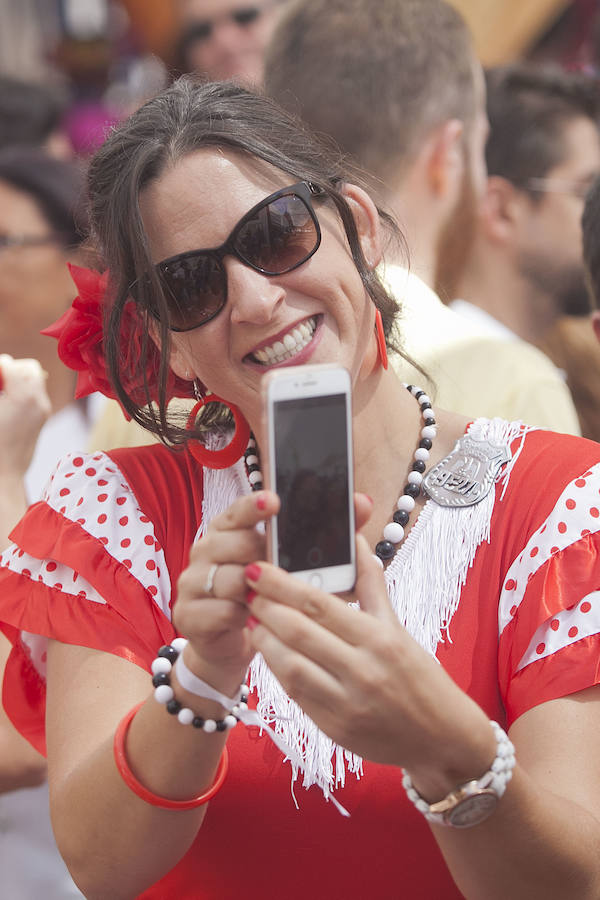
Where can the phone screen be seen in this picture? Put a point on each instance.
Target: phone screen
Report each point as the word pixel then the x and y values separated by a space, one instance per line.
pixel 311 444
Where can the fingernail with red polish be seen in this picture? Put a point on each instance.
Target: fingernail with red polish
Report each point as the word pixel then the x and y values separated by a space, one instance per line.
pixel 251 623
pixel 252 572
pixel 261 501
pixel 250 595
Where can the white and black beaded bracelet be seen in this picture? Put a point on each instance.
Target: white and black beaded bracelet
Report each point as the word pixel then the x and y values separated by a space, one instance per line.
pixel 164 693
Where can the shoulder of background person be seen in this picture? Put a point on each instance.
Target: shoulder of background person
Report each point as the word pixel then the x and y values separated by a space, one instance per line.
pixel 493 377
pixel 574 348
pixel 424 323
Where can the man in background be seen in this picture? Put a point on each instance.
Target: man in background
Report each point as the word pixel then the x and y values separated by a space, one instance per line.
pixel 397 85
pixel 224 39
pixel 525 266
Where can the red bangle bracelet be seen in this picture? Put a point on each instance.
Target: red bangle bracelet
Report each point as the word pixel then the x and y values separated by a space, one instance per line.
pixel 154 799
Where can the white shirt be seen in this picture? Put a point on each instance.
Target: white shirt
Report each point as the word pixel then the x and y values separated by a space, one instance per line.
pixel 482 320
pixel 471 367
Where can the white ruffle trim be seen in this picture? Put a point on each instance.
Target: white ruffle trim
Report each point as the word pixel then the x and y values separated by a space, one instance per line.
pixel 424 582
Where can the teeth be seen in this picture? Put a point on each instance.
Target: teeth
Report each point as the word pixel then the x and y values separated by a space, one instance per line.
pixel 293 342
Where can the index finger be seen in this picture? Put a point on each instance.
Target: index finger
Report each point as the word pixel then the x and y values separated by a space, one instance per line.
pixel 246 512
pixel 277 597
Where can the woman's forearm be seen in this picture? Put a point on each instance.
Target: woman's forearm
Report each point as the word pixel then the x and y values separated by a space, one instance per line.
pixel 535 846
pixel 114 843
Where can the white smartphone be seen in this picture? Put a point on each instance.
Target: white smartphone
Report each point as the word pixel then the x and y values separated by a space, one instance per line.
pixel 310 467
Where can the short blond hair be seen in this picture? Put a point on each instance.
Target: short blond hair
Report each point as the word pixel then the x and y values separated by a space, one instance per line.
pixel 375 75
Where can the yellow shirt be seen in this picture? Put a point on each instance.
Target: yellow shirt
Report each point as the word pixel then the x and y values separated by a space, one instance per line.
pixel 470 372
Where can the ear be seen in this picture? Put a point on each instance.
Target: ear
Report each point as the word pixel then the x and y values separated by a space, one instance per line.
pixel 444 157
pixel 596 323
pixel 368 223
pixel 499 210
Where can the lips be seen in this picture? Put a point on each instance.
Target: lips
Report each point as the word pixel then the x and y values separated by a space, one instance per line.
pixel 288 345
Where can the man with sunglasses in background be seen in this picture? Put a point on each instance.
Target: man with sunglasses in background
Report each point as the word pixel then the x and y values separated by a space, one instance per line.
pixel 525 269
pixel 223 39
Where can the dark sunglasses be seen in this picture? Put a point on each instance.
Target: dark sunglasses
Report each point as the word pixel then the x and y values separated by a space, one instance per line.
pixel 274 237
pixel 202 30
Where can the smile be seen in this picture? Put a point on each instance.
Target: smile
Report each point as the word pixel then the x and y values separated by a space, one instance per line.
pixel 289 346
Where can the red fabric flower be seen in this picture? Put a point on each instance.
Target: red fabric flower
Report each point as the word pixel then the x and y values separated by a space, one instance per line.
pixel 81 348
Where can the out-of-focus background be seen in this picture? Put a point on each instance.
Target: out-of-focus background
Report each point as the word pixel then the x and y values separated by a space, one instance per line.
pixel 109 55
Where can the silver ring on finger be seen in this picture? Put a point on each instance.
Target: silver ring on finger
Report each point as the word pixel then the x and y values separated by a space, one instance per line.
pixel 209 584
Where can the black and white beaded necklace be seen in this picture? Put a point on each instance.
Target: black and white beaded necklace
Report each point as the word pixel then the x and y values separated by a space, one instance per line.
pixel 394 531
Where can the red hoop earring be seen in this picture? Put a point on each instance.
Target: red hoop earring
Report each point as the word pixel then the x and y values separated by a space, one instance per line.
pixel 219 459
pixel 379 334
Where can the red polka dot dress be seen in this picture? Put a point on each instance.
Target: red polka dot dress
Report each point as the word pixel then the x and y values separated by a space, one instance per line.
pixel 96 563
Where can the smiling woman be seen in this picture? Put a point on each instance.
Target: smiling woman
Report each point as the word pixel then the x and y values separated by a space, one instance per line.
pixel 447 705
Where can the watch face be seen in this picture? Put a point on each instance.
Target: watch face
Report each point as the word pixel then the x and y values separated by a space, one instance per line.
pixel 472 810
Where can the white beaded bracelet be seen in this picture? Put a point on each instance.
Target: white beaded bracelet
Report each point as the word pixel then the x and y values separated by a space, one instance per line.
pixel 474 801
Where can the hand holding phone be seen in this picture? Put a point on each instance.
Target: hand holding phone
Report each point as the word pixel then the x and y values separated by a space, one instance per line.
pixel 310 467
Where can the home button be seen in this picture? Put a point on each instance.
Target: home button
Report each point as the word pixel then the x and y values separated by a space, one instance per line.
pixel 316 579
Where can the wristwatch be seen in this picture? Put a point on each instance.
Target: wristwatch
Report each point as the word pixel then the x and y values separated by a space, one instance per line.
pixel 470 803
pixel 465 806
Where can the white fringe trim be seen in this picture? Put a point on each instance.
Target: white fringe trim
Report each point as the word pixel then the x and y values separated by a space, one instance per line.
pixel 424 582
pixel 221 486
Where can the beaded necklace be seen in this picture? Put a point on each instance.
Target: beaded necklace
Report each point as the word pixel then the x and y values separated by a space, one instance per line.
pixel 394 531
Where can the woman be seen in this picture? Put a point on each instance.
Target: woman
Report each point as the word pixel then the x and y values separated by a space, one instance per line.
pixel 492 586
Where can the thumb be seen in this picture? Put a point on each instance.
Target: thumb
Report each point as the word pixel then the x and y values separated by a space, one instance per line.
pixel 370 590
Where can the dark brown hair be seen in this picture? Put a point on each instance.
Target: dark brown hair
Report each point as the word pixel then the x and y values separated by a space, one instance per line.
pixel 528 108
pixel 29 111
pixel 185 117
pixel 55 185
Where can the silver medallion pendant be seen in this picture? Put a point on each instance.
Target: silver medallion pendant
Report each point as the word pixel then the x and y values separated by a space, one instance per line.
pixel 467 474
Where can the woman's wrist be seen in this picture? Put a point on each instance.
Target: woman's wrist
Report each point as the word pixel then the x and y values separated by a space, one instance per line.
pixel 470 802
pixel 226 681
pixel 458 762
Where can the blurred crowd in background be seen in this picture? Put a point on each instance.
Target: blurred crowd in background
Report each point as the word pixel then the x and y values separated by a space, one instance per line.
pixel 102 58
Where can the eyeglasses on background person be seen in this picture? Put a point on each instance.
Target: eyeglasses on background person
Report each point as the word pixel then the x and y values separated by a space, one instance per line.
pixel 27 240
pixel 573 187
pixel 274 237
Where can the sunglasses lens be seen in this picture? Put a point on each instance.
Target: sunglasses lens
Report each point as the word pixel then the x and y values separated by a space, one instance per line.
pixel 195 289
pixel 246 16
pixel 279 237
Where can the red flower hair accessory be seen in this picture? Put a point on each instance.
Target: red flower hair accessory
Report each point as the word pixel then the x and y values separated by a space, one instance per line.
pixel 79 332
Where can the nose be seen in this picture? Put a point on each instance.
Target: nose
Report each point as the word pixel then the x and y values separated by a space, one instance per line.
pixel 252 297
pixel 228 36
